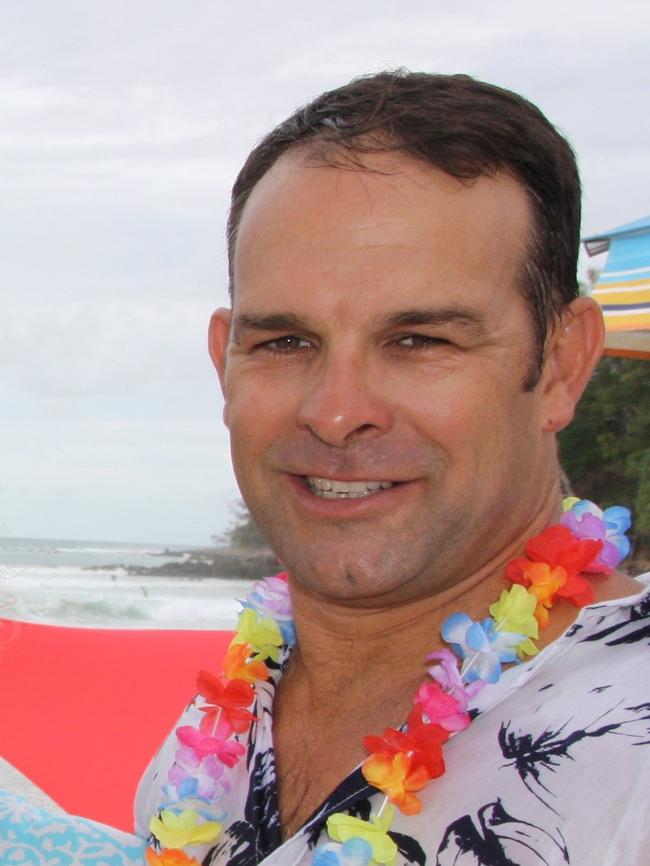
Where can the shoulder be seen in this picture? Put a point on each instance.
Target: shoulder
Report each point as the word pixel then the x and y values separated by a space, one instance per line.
pixel 620 586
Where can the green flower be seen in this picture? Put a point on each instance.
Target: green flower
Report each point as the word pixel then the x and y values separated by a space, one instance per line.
pixel 178 830
pixel 262 633
pixel 342 827
pixel 515 612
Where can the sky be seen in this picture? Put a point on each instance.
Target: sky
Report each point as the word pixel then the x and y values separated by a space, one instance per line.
pixel 123 125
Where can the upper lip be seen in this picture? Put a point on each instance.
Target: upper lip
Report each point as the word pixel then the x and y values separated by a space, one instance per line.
pixel 371 475
pixel 348 478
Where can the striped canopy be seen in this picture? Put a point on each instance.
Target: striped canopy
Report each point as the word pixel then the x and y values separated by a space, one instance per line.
pixel 623 287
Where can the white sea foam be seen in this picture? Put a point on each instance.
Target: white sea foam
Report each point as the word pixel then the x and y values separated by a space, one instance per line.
pixel 115 599
pixel 76 583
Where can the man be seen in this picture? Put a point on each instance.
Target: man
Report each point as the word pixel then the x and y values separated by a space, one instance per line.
pixel 404 343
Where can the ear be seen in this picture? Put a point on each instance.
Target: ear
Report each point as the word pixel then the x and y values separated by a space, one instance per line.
pixel 218 335
pixel 573 350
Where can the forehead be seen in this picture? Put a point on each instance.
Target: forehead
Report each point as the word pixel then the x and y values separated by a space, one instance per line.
pixel 394 229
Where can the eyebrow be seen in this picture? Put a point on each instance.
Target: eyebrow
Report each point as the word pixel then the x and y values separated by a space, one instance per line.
pixel 455 315
pixel 271 322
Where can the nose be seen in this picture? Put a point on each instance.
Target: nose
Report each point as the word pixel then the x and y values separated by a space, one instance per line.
pixel 342 402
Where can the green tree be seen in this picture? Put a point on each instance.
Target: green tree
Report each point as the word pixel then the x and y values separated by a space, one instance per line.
pixel 244 534
pixel 606 450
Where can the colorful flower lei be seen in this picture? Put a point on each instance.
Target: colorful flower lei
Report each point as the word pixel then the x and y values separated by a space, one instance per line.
pixel 401 763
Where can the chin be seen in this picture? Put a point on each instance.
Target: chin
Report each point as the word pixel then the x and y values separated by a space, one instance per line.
pixel 353 578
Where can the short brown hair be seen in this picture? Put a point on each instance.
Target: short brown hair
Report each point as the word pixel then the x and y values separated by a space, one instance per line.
pixel 466 128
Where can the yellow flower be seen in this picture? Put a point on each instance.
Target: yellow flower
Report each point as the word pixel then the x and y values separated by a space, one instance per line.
pixel 342 827
pixel 262 633
pixel 526 648
pixel 568 502
pixel 177 831
pixel 515 611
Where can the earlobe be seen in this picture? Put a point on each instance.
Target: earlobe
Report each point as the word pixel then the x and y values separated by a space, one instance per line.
pixel 218 334
pixel 574 349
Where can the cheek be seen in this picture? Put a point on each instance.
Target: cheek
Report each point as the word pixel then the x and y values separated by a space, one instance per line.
pixel 474 423
pixel 255 417
pixel 449 415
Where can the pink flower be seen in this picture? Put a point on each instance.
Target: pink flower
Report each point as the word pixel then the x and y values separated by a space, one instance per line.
pixel 270 597
pixel 447 675
pixel 227 751
pixel 185 763
pixel 197 777
pixel 441 708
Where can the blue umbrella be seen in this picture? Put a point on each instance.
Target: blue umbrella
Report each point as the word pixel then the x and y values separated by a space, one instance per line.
pixel 623 287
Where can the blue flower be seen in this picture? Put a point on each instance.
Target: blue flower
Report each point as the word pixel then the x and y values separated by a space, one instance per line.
pixel 325 857
pixel 482 647
pixel 617 521
pixel 353 852
pixel 586 520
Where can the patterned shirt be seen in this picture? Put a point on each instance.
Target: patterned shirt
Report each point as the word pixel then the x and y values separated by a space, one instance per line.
pixel 555 768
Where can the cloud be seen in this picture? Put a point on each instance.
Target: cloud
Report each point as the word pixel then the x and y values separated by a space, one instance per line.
pixel 103 346
pixel 123 126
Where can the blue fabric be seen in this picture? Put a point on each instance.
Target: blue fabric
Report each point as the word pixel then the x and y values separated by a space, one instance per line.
pixel 626 254
pixel 32 836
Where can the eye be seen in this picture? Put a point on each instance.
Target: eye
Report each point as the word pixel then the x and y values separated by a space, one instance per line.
pixel 286 344
pixel 420 341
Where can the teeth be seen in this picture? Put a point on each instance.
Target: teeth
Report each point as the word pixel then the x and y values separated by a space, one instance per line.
pixel 320 483
pixel 330 488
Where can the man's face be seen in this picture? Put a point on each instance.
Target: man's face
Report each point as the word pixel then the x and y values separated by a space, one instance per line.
pixel 373 375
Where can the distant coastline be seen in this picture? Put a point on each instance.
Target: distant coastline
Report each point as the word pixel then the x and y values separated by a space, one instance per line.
pixel 220 562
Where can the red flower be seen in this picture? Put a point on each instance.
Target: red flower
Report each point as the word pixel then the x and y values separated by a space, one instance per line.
pixel 422 743
pixel 577 590
pixel 226 699
pixel 557 545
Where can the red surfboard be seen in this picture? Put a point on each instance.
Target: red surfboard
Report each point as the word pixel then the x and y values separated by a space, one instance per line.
pixel 83 710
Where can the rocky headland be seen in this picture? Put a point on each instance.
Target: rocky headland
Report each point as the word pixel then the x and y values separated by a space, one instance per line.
pixel 225 562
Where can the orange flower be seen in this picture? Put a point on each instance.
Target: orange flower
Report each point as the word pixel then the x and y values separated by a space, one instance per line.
pixel 393 775
pixel 170 857
pixel 237 666
pixel 544 582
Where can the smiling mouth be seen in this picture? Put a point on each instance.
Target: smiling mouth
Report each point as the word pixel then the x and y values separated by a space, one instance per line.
pixel 331 488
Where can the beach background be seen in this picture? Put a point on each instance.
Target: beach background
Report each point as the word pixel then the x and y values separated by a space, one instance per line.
pixel 87 583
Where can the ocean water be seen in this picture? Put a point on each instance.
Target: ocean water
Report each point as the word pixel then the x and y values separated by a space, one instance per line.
pixel 86 583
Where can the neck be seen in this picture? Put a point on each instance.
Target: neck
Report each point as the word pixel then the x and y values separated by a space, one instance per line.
pixel 388 639
pixel 385 640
